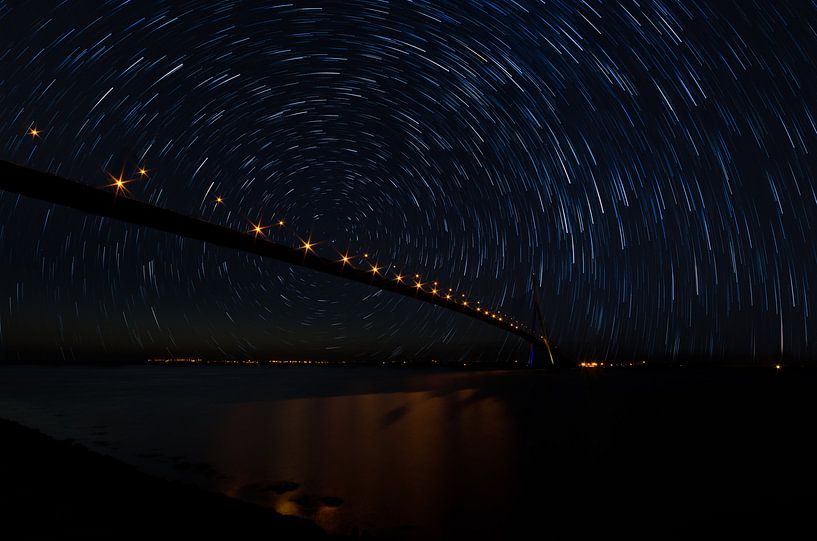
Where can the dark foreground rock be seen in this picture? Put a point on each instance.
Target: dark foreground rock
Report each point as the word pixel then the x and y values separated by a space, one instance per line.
pixel 60 489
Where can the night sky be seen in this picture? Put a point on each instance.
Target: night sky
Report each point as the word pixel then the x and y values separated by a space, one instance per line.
pixel 652 162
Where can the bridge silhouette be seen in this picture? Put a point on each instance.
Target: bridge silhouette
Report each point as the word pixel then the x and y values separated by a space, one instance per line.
pixel 114 204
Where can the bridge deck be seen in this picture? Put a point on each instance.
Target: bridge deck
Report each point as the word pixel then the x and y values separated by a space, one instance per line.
pixel 54 189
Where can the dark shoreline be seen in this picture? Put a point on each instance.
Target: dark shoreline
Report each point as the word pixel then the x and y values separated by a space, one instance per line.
pixel 58 489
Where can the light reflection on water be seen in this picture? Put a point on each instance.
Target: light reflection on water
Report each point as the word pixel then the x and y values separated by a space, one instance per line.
pixel 401 454
pixel 430 454
pixel 395 459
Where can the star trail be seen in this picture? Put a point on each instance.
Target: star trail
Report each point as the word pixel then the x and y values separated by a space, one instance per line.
pixel 650 163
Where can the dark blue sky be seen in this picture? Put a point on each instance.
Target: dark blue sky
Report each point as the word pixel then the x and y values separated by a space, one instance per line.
pixel 651 162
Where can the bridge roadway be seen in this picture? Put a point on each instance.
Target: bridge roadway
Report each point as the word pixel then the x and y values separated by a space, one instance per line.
pixel 54 189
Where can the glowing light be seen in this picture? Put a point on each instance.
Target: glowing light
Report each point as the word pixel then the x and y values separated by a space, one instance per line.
pixel 258 229
pixel 142 172
pixel 118 183
pixel 34 132
pixel 345 259
pixel 375 269
pixel 434 291
pixel 219 200
pixel 418 285
pixel 399 278
pixel 307 245
pixel 280 223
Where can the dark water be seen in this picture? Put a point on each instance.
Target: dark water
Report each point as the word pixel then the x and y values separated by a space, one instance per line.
pixel 421 454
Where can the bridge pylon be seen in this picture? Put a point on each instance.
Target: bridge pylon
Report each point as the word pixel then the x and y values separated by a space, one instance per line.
pixel 541 352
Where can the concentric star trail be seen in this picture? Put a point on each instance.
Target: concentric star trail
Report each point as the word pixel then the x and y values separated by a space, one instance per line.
pixel 651 163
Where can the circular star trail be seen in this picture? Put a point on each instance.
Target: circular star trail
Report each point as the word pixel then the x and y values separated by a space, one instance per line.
pixel 651 163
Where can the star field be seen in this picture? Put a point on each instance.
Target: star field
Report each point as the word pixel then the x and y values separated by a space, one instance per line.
pixel 651 162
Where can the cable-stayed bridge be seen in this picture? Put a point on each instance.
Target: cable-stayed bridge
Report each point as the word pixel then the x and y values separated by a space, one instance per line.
pixel 114 203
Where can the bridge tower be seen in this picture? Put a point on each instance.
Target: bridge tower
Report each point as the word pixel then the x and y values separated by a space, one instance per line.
pixel 541 354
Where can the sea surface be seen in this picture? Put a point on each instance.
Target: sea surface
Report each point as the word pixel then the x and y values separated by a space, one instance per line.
pixel 436 454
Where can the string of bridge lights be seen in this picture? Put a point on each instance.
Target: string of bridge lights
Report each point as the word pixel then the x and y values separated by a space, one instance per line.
pixel 119 184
